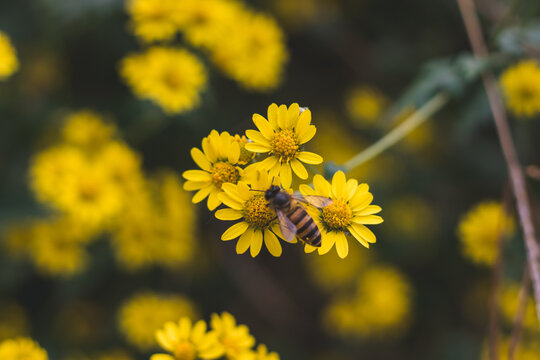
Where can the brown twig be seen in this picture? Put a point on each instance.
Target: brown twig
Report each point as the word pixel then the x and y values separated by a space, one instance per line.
pixel 517 324
pixel 517 177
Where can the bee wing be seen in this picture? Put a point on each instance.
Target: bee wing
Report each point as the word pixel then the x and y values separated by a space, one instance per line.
pixel 315 200
pixel 288 229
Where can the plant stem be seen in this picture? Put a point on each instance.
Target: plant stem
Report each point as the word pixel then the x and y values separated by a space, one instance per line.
pixel 400 131
pixel 517 177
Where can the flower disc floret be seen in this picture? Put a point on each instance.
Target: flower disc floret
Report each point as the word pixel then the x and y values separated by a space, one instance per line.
pixel 257 213
pixel 336 216
pixel 224 172
pixel 285 145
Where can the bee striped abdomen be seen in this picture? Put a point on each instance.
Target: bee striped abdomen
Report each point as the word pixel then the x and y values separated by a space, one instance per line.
pixel 306 228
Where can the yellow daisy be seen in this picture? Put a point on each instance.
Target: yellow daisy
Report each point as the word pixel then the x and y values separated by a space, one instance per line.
pixel 8 57
pixel 21 348
pixel 245 155
pixel 349 213
pixel 187 342
pixel 218 161
pixel 521 88
pixel 282 137
pixel 235 339
pixel 173 78
pixel 153 20
pixel 258 222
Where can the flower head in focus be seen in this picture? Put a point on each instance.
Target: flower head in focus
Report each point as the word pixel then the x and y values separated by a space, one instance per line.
pixel 187 341
pixel 153 20
pixel 21 348
pixel 479 231
pixel 257 222
pixel 8 57
pixel 235 339
pixel 521 88
pixel 349 213
pixel 173 78
pixel 282 137
pixel 218 160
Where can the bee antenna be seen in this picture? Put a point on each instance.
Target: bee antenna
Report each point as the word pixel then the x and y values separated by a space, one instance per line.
pixel 256 190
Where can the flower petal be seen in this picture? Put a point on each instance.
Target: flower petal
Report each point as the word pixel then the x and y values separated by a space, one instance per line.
pixel 245 241
pixel 209 150
pixel 368 210
pixel 272 243
pixel 200 159
pixel 303 122
pixel 228 214
pixel 282 116
pixel 235 231
pixel 309 249
pixel 264 127
pixel 338 184
pixel 256 243
pixel 273 115
pixel 292 115
pixel 162 357
pixel 202 194
pixel 306 189
pixel 350 189
pixel 364 232
pixel 258 137
pixel 230 202
pixel 322 186
pixel 328 241
pixel 368 219
pixel 233 153
pixel 360 201
pixel 258 148
pixel 309 157
pixel 268 163
pixel 197 175
pixel 285 175
pixel 194 185
pixel 299 169
pixel 307 135
pixel 342 246
pixel 359 237
pixel 213 199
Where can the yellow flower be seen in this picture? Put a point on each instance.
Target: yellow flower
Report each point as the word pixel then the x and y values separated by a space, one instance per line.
pixel 381 305
pixel 509 305
pixel 87 129
pixel 13 320
pixel 521 88
pixel 8 57
pixel 157 227
pixel 218 161
pixel 349 213
pixel 21 348
pixel 258 222
pixel 479 231
pixel 187 342
pixel 173 78
pixel 245 155
pixel 261 354
pixel 153 20
pixel 123 166
pixel 365 105
pixel 143 314
pixel 253 53
pixel 235 339
pixel 282 137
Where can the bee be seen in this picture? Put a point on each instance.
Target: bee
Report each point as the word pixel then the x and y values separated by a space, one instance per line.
pixel 293 217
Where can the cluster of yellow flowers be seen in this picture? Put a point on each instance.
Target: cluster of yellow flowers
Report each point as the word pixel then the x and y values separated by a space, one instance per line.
pixel 8 57
pixel 247 46
pixel 480 229
pixel 521 88
pixel 225 339
pixel 143 314
pixel 94 182
pixel 233 173
pixel 21 348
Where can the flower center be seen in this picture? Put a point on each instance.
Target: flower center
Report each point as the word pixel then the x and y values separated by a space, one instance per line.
pixel 185 351
pixel 285 145
pixel 257 213
pixel 223 172
pixel 172 80
pixel 336 216
pixel 88 190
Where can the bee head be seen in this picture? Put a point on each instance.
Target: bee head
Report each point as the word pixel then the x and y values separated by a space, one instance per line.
pixel 271 192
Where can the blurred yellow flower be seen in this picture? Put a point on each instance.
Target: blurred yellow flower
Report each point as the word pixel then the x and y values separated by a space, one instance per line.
pixel 87 129
pixel 173 78
pixel 153 20
pixel 235 339
pixel 479 230
pixel 187 342
pixel 412 218
pixel 258 222
pixel 13 320
pixel 218 161
pixel 521 88
pixel 260 354
pixel 380 306
pixel 123 166
pixel 365 105
pixel 157 228
pixel 282 137
pixel 253 53
pixel 8 57
pixel 21 348
pixel 420 137
pixel 509 305
pixel 143 314
pixel 349 213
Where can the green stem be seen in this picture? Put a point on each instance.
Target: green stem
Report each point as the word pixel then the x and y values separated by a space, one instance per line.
pixel 400 131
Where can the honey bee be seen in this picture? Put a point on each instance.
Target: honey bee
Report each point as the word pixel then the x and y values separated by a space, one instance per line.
pixel 293 217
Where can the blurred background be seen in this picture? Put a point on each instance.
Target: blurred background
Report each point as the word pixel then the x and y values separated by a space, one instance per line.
pixel 83 88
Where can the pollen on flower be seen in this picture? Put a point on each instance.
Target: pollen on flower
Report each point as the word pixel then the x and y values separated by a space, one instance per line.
pixel 257 213
pixel 223 172
pixel 336 216
pixel 285 144
pixel 185 351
